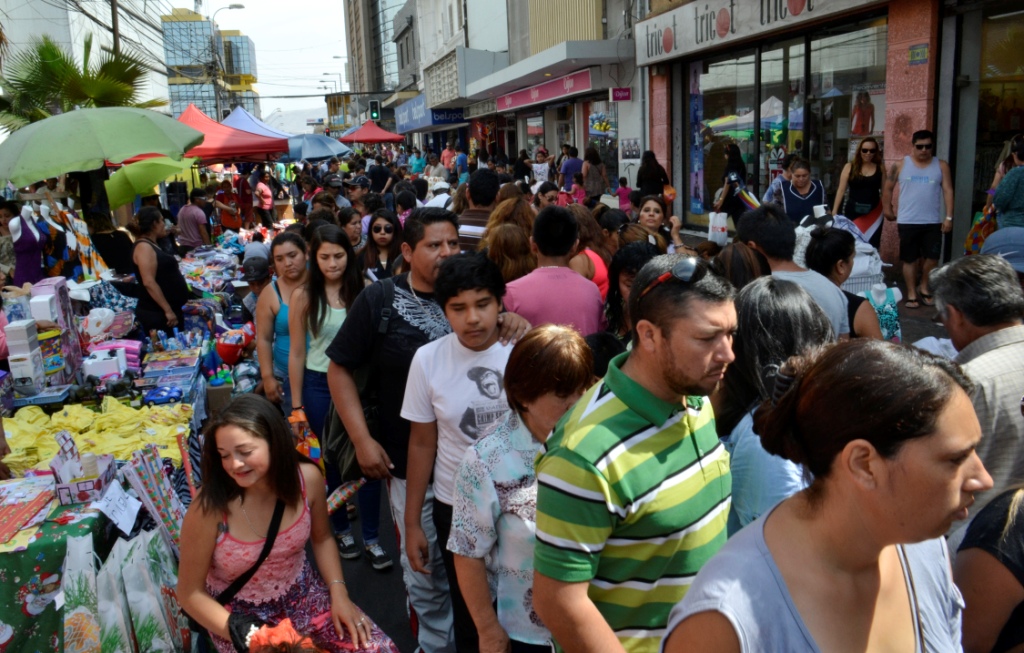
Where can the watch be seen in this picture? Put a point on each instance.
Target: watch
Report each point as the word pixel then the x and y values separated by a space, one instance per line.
pixel 949 217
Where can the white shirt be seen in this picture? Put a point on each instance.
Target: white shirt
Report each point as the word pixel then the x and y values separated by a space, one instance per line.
pixel 439 200
pixel 463 391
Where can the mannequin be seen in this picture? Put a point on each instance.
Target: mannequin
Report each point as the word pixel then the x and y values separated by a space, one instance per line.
pixel 60 255
pixel 28 247
pixel 885 301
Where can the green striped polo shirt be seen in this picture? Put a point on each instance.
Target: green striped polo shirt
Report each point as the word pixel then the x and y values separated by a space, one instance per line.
pixel 633 495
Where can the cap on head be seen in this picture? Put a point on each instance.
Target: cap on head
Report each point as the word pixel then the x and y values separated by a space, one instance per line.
pixel 441 185
pixel 361 181
pixel 1008 243
pixel 256 268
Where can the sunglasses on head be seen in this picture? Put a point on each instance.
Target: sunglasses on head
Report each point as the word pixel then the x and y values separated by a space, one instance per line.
pixel 923 146
pixel 868 150
pixel 687 270
pixel 383 228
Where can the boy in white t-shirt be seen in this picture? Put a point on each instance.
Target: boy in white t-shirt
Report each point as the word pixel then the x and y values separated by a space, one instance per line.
pixel 455 392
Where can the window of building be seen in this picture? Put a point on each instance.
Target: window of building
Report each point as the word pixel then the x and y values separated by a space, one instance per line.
pixel 818 96
pixel 603 135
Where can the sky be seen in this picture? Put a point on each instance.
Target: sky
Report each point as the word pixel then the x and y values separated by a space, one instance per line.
pixel 295 45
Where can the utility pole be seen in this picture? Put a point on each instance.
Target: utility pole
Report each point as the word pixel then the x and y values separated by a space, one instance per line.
pixel 115 27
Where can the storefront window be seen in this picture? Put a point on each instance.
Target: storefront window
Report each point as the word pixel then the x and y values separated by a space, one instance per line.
pixel 603 134
pixel 847 97
pixel 534 133
pixel 782 108
pixel 1000 97
pixel 565 132
pixel 721 101
pixel 822 118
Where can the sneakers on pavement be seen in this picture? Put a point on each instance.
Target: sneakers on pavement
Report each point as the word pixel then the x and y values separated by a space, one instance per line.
pixel 378 558
pixel 347 545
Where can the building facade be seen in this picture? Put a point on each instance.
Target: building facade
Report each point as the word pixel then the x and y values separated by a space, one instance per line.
pixel 139 33
pixel 212 69
pixel 816 77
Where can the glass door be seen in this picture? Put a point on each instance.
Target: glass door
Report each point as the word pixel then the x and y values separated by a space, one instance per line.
pixel 783 90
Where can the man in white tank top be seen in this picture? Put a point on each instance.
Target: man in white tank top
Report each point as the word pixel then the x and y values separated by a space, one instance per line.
pixel 926 184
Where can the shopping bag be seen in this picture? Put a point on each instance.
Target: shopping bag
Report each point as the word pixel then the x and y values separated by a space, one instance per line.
pixel 669 193
pixel 115 618
pixel 983 226
pixel 565 199
pixel 81 623
pixel 149 581
pixel 718 228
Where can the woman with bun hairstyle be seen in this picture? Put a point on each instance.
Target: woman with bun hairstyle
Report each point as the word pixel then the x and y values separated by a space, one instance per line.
pixel 830 253
pixel 857 561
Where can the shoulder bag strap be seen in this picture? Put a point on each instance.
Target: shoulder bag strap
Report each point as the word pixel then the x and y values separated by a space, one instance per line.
pixel 235 587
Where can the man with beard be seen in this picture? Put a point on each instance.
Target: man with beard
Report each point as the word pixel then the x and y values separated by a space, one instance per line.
pixel 634 486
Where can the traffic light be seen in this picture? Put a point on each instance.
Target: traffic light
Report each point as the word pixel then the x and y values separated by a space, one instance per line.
pixel 374 109
pixel 327 132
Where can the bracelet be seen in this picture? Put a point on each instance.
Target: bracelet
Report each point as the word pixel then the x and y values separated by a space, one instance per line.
pixel 337 581
pixel 295 408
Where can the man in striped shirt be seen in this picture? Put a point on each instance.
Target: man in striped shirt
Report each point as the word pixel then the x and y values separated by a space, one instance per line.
pixel 634 486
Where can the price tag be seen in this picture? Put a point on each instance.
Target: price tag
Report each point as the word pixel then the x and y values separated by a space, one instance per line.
pixel 119 507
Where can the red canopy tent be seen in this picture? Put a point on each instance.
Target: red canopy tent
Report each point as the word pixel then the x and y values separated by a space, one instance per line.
pixel 223 143
pixel 368 133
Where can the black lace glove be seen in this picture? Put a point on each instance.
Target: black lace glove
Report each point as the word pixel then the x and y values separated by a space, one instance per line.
pixel 240 626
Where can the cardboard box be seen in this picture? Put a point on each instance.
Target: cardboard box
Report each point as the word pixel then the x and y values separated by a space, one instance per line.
pixel 18 348
pixel 21 331
pixel 44 307
pixel 217 398
pixel 7 393
pixel 90 489
pixel 102 363
pixel 27 370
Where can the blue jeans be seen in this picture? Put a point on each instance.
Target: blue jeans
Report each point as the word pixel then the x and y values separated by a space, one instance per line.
pixel 316 397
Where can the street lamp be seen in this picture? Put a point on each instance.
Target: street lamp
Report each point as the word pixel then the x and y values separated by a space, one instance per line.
pixel 341 82
pixel 213 54
pixel 332 82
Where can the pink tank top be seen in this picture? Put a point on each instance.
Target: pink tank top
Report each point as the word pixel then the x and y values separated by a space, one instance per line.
pixel 232 557
pixel 600 272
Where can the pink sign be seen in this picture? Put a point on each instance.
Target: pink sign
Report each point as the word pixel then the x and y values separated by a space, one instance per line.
pixel 578 82
pixel 620 94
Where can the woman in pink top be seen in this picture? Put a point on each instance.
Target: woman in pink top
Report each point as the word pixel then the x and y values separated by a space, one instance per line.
pixel 265 200
pixel 592 256
pixel 249 465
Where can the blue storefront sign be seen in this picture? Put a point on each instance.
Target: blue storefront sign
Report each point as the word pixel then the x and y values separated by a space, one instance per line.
pixel 414 115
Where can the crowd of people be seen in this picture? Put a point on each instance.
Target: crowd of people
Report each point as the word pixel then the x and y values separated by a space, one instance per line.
pixel 594 435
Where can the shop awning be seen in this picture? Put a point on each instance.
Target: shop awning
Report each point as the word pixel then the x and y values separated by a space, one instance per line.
pixel 414 116
pixel 371 133
pixel 556 61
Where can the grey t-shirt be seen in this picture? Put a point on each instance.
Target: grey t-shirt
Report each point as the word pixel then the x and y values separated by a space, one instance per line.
pixel 743 583
pixel 828 295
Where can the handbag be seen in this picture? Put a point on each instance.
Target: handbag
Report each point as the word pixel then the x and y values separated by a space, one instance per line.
pixel 669 193
pixel 236 586
pixel 983 226
pixel 337 446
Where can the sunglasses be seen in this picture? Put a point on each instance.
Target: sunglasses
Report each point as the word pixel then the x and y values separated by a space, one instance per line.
pixel 688 270
pixel 868 150
pixel 923 146
pixel 383 229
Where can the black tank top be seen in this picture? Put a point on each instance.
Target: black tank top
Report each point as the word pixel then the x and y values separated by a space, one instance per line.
pixel 168 277
pixel 865 194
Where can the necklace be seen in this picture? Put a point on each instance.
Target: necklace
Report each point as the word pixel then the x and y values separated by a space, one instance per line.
pixel 415 296
pixel 241 504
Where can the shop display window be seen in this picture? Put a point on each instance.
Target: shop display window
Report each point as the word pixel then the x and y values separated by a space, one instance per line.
pixel 817 95
pixel 603 134
pixel 534 133
pixel 1000 96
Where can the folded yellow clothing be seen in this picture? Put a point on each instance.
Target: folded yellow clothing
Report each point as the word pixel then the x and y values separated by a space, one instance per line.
pixel 117 429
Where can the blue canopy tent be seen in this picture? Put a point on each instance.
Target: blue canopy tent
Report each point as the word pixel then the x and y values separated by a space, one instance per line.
pixel 310 147
pixel 313 147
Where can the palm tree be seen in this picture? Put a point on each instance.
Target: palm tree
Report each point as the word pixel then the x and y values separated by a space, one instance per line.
pixel 45 80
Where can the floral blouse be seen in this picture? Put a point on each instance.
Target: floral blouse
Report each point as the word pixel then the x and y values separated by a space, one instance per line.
pixel 494 519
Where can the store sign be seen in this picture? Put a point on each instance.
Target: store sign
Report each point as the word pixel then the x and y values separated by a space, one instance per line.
pixel 620 94
pixel 701 25
pixel 578 82
pixel 414 114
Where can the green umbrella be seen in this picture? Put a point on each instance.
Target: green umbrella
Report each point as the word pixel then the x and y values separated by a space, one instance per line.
pixel 86 138
pixel 140 177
